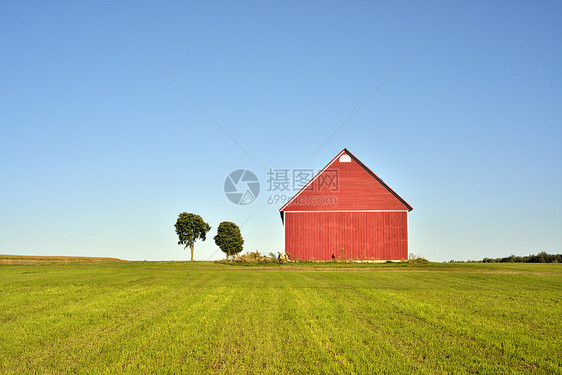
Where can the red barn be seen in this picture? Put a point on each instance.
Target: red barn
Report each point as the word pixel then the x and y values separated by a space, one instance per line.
pixel 346 211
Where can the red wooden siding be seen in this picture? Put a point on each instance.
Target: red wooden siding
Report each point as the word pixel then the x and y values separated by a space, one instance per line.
pixel 362 235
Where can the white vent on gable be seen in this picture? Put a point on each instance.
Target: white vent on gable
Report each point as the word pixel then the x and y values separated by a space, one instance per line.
pixel 345 158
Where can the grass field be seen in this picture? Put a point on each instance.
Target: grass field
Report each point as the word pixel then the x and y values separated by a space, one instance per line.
pixel 108 316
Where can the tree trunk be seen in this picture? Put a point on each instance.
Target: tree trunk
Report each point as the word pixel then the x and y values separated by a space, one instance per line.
pixel 192 252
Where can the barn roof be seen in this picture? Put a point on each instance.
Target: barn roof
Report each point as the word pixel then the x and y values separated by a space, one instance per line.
pixel 397 202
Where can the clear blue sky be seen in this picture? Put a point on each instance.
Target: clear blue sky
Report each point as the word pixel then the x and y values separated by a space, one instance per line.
pixel 101 150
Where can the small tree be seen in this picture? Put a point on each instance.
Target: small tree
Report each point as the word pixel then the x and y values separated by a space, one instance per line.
pixel 229 238
pixel 190 228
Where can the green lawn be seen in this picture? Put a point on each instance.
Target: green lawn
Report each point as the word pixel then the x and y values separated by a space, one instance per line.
pixel 151 317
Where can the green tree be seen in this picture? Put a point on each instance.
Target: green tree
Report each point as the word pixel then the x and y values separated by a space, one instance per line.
pixel 229 238
pixel 190 228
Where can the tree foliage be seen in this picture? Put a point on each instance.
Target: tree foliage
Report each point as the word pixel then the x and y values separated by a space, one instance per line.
pixel 229 238
pixel 190 228
pixel 542 257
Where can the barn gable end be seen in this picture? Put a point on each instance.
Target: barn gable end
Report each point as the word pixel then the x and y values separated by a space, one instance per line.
pixel 345 183
pixel 346 207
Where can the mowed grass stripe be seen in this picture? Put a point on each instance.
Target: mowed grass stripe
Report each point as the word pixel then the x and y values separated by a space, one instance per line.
pixel 177 328
pixel 318 349
pixel 369 315
pixel 336 319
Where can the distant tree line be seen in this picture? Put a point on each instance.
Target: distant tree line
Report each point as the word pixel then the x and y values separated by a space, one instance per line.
pixel 541 257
